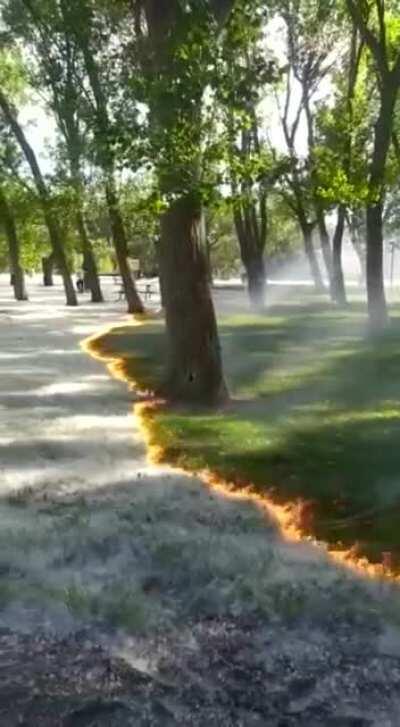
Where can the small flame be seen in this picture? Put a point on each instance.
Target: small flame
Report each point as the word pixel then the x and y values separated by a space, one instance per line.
pixel 293 518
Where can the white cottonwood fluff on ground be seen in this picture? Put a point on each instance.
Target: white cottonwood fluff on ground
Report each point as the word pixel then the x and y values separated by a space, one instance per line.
pixel 102 535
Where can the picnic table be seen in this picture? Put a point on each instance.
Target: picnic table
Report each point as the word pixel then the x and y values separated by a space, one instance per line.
pixel 144 288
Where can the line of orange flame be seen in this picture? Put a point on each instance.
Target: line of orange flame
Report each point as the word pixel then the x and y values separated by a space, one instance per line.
pixel 288 516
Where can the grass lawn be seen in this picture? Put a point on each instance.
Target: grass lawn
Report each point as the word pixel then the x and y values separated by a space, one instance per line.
pixel 315 414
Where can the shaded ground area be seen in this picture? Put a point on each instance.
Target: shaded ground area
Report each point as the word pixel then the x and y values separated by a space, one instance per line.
pixel 233 673
pixel 133 595
pixel 315 415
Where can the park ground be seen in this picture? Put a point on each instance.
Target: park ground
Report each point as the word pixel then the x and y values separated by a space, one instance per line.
pixel 133 594
pixel 314 417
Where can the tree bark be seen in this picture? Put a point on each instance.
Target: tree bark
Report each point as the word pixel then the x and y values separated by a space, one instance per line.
pixel 157 246
pixel 207 248
pixel 377 308
pixel 252 244
pixel 17 273
pixel 47 268
pixel 256 281
pixel 325 247
pixel 312 258
pixel 91 278
pixel 58 249
pixel 253 261
pixel 359 247
pixel 46 202
pixel 319 211
pixel 134 302
pixel 338 286
pixel 194 372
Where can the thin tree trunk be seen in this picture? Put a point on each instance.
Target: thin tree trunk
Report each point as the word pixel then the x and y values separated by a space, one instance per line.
pixel 194 371
pixel 157 246
pixel 359 247
pixel 17 273
pixel 312 259
pixel 323 232
pixel 47 268
pixel 46 202
pixel 89 261
pixel 325 248
pixel 84 39
pixel 252 259
pixel 256 281
pixel 377 308
pixel 338 286
pixel 135 304
pixel 59 253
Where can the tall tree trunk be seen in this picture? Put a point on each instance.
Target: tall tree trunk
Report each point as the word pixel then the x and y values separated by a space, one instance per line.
pixel 44 197
pixel 323 232
pixel 256 281
pixel 251 252
pixel 157 245
pixel 47 268
pixel 135 304
pixel 325 248
pixel 194 357
pixel 377 308
pixel 17 273
pixel 359 247
pixel 58 249
pixel 194 371
pixel 89 261
pixel 338 286
pixel 84 38
pixel 312 258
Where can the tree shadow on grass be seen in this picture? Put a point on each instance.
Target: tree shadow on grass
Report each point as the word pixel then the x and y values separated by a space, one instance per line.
pixel 317 417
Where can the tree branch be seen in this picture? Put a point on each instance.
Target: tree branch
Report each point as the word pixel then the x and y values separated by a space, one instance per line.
pixel 368 36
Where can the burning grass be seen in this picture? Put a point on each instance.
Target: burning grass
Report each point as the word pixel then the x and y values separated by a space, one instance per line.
pixel 315 421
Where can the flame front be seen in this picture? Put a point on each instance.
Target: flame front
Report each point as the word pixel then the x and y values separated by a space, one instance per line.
pixel 291 518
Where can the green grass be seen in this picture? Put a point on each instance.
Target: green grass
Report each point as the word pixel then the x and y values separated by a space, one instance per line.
pixel 315 414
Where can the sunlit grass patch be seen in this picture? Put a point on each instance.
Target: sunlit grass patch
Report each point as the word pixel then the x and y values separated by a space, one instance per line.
pixel 315 415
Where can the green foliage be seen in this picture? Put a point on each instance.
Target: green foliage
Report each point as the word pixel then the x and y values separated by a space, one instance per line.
pixel 12 73
pixel 141 212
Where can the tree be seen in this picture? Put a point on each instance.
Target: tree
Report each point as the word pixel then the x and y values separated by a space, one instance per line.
pixel 380 31
pixel 47 269
pixel 8 222
pixel 176 66
pixel 309 45
pixel 49 213
pixel 40 27
pixel 342 131
pixel 81 25
pixel 295 182
pixel 246 72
